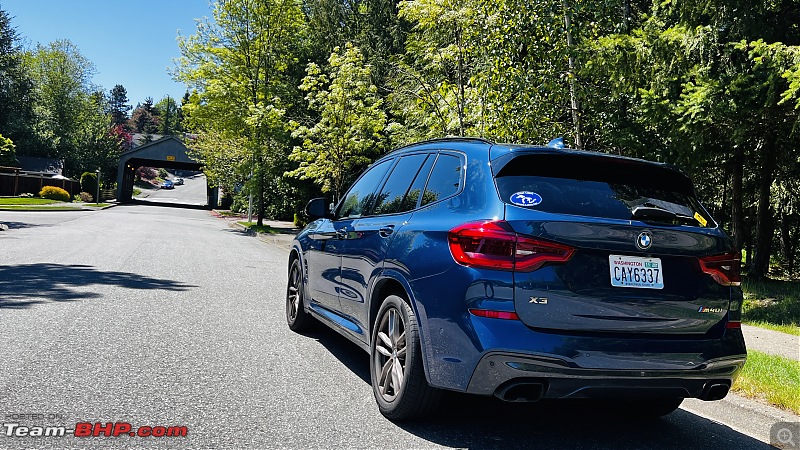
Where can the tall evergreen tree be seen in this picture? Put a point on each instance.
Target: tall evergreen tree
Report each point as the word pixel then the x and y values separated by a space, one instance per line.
pixel 118 105
pixel 16 91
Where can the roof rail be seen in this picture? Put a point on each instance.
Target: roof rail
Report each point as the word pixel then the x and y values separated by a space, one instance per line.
pixel 446 139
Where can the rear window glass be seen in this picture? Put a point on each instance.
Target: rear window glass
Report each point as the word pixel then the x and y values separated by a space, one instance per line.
pixel 600 187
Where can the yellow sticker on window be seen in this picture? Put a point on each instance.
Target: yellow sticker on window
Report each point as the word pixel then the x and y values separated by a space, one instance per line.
pixel 700 219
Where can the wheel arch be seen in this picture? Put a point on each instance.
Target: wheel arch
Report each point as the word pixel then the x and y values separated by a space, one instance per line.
pixel 392 283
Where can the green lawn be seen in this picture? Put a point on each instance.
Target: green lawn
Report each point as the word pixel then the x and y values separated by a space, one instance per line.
pixel 66 207
pixel 772 304
pixel 771 378
pixel 26 201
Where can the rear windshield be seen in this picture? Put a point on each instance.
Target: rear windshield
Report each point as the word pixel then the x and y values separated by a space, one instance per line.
pixel 600 187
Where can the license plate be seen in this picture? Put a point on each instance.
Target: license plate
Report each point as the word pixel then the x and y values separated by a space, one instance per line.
pixel 635 272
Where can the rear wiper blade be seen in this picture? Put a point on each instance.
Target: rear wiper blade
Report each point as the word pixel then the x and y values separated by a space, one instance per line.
pixel 649 212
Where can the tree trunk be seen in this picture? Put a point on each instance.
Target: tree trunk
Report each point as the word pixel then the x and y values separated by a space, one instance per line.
pixel 737 212
pixel 626 16
pixel 788 240
pixel 575 105
pixel 765 224
pixel 261 187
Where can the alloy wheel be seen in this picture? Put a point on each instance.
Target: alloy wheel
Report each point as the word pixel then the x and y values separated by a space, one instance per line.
pixel 389 357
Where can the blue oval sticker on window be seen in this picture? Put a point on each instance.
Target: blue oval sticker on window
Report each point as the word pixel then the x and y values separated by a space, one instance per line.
pixel 526 198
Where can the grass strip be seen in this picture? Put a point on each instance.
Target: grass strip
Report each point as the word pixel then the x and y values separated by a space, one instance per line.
pixel 774 379
pixel 26 201
pixel 788 329
pixel 38 208
pixel 259 229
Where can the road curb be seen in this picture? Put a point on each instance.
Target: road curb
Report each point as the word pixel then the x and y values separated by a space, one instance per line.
pixel 283 243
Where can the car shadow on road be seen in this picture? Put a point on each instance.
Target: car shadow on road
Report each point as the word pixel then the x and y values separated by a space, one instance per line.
pixel 21 225
pixel 480 422
pixel 25 285
pixel 348 353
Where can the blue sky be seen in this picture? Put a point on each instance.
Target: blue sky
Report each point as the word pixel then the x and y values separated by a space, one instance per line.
pixel 131 43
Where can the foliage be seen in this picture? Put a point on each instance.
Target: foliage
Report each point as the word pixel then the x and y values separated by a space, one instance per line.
pixel 71 116
pixel 89 182
pixel 241 65
pixel 705 87
pixel 62 89
pixel 300 220
pixel 144 118
pixel 169 116
pixel 118 105
pixel 54 193
pixel 434 86
pixel 146 173
pixel 7 153
pixel 84 197
pixel 350 125
pixel 16 91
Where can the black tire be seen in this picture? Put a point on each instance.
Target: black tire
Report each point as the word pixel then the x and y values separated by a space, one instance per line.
pixel 396 370
pixel 296 316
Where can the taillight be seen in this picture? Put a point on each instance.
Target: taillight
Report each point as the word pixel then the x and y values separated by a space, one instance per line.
pixel 495 245
pixel 724 269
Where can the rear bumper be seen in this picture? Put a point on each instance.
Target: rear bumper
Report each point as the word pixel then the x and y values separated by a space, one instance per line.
pixel 498 372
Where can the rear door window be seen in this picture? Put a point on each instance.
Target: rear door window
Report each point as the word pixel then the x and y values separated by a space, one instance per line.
pixel 600 187
pixel 391 198
pixel 445 179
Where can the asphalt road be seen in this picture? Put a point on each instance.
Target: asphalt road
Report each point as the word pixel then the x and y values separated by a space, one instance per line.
pixel 161 316
pixel 192 192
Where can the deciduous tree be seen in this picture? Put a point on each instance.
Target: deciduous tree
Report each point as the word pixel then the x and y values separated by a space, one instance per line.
pixel 240 63
pixel 351 122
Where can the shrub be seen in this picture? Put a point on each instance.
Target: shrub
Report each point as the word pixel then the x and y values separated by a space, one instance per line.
pixel 146 173
pixel 84 197
pixel 300 220
pixel 54 193
pixel 89 182
pixel 162 173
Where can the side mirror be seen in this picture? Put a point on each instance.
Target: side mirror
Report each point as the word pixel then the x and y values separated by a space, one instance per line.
pixel 318 209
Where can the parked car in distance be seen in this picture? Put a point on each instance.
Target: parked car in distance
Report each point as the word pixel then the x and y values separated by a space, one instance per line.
pixel 167 184
pixel 523 272
pixel 178 181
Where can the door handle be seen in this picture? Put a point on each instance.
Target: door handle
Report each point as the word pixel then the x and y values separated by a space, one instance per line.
pixel 386 230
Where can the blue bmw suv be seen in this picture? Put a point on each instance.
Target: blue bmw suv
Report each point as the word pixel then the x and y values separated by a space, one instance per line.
pixel 524 272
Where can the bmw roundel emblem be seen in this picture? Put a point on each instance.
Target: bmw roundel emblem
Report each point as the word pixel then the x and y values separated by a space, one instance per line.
pixel 645 240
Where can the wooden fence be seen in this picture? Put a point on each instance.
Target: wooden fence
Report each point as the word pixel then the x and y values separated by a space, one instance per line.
pixel 14 184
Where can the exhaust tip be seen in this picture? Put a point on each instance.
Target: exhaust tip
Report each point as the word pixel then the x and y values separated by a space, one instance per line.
pixel 522 391
pixel 715 391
